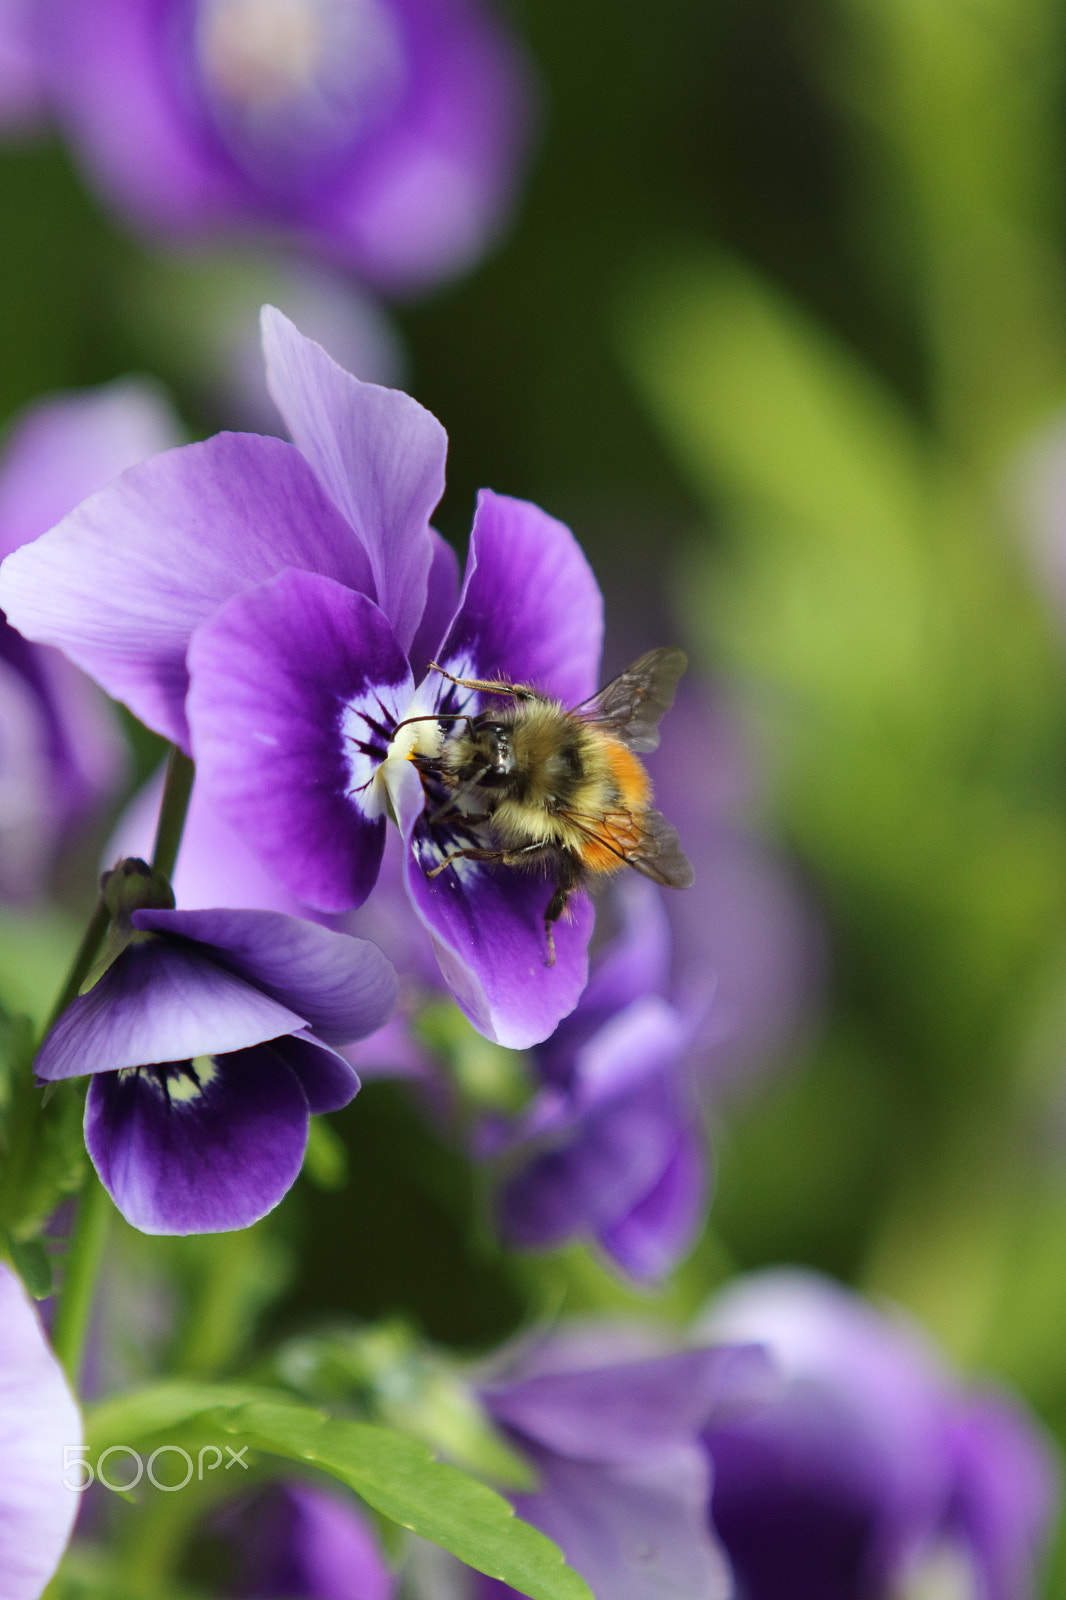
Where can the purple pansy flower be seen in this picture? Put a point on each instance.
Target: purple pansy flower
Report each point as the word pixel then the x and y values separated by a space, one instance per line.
pixel 871 1473
pixel 61 749
pixel 611 1147
pixel 309 593
pixel 209 1040
pixel 298 1539
pixel 39 1431
pixel 611 1423
pixel 384 134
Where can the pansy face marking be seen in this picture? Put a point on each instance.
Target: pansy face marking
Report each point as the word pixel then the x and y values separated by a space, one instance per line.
pixel 176 1082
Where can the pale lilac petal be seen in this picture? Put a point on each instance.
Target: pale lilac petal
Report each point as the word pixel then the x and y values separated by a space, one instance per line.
pixel 111 85
pixel 284 681
pixel 217 1156
pixel 378 454
pixel 487 926
pixel 342 987
pixel 38 1421
pixel 22 89
pixel 662 1228
pixel 123 581
pixel 64 448
pixel 635 1531
pixel 621 1409
pixel 442 597
pixel 159 1001
pixel 215 867
pixel 530 610
pixel 30 818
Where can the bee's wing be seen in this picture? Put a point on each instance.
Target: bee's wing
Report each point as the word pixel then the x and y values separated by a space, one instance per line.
pixel 631 705
pixel 644 840
pixel 657 852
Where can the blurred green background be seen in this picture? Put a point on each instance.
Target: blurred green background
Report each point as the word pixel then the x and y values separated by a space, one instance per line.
pixel 781 313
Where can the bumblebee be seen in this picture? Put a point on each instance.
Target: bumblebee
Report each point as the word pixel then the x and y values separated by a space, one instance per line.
pixel 560 790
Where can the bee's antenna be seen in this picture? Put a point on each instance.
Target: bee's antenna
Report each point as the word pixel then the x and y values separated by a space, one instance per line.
pixel 435 716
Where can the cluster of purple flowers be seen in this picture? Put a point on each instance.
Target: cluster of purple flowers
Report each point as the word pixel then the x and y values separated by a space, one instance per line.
pixel 274 608
pixel 281 611
pixel 807 1447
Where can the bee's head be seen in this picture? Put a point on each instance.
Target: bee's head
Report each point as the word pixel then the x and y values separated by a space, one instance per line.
pixel 484 753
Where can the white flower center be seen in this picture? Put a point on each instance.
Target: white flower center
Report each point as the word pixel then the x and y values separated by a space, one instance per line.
pixel 291 80
pixel 945 1573
pixel 261 52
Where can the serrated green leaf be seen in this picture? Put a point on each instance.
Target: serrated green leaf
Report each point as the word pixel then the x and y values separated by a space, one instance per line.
pixel 393 1473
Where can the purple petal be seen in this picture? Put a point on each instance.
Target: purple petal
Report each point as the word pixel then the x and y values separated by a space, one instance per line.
pixel 442 597
pixel 22 91
pixel 1007 1493
pixel 123 581
pixel 614 1158
pixel 326 1078
pixel 283 681
pixel 530 609
pixel 213 1156
pixel 624 1410
pixel 298 1539
pixel 428 196
pixel 342 987
pixel 159 1002
pixel 38 1419
pixel 487 926
pixel 215 866
pixel 110 84
pixel 844 1476
pixel 65 448
pixel 660 1230
pixel 378 454
pixel 637 1531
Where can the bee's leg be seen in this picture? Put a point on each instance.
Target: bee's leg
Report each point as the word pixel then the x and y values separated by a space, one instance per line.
pixel 470 854
pixel 567 880
pixel 518 691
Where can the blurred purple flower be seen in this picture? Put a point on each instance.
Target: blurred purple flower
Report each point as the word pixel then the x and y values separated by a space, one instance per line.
pixel 611 1424
pixel 22 94
pixel 871 1472
pixel 611 1147
pixel 209 1041
pixel 307 592
pixel 749 924
pixel 38 1421
pixel 60 748
pixel 385 135
pixel 297 1539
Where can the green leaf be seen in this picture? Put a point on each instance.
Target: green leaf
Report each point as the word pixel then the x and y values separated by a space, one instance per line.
pixel 33 1265
pixel 395 1474
pixel 326 1160
pixel 388 1375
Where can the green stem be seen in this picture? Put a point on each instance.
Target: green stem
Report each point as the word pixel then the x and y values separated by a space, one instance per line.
pixel 79 1277
pixel 176 792
pixel 83 961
